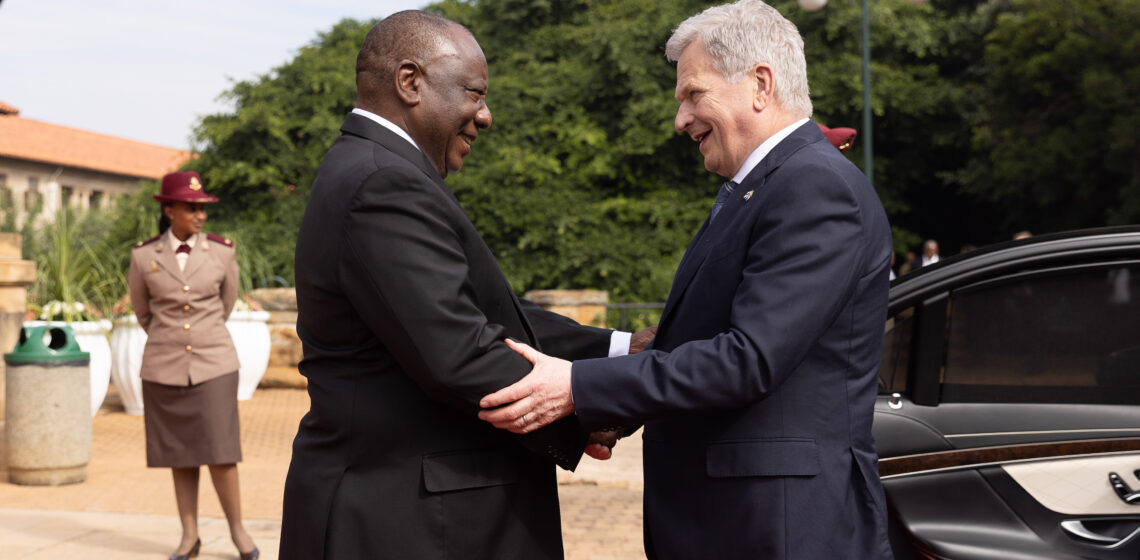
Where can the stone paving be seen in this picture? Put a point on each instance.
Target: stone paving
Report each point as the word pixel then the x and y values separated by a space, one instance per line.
pixel 125 511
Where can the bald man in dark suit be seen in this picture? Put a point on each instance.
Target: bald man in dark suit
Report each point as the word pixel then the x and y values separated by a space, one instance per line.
pixel 402 313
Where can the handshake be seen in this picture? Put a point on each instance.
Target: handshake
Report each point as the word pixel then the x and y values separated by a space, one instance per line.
pixel 544 396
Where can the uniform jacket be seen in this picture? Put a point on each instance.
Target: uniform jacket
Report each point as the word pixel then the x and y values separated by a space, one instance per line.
pixel 402 314
pixel 184 311
pixel 759 390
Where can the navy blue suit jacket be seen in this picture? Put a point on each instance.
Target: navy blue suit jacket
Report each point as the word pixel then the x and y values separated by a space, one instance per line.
pixel 758 392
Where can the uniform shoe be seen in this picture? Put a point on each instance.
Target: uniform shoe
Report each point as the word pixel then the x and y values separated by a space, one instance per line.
pixel 192 554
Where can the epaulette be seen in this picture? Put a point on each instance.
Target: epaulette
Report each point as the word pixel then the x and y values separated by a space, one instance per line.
pixel 220 239
pixel 148 241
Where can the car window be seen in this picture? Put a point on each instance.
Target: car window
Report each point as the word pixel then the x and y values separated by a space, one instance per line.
pixel 896 352
pixel 1068 336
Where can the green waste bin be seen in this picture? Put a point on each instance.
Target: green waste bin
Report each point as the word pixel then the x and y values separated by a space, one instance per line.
pixel 47 421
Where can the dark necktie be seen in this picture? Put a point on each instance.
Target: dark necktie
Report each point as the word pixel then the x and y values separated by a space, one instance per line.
pixel 183 248
pixel 721 197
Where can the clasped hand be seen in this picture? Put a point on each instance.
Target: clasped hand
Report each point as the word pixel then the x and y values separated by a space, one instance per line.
pixel 543 396
pixel 536 400
pixel 539 399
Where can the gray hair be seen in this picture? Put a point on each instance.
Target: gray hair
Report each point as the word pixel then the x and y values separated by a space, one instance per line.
pixel 739 36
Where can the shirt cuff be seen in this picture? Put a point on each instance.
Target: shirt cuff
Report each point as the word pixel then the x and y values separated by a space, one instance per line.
pixel 619 343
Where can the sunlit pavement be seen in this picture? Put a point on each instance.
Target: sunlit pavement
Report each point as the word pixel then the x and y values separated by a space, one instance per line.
pixel 125 511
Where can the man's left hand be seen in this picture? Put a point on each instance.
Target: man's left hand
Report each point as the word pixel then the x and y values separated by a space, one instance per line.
pixel 641 339
pixel 536 400
pixel 602 443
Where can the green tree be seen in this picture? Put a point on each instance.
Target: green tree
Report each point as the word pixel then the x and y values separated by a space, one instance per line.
pixel 987 113
pixel 1056 131
pixel 582 181
pixel 261 158
pixel 923 90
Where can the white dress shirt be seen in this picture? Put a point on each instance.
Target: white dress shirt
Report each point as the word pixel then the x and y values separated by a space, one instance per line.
pixel 386 124
pixel 764 149
pixel 175 242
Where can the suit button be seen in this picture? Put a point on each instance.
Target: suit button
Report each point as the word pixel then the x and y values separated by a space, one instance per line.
pixel 186 308
pixel 185 288
pixel 188 348
pixel 186 327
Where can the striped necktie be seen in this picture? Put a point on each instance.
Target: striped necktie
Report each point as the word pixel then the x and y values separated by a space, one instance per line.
pixel 721 197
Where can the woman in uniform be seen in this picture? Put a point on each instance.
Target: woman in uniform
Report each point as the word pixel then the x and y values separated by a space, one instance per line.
pixel 183 285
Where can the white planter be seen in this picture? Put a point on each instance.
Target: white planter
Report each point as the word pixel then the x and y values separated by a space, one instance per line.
pixel 127 342
pixel 92 338
pixel 250 332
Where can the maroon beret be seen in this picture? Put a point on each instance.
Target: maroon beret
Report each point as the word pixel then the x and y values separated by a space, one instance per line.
pixel 841 138
pixel 184 186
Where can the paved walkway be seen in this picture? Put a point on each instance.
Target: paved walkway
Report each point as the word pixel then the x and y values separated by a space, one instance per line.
pixel 125 511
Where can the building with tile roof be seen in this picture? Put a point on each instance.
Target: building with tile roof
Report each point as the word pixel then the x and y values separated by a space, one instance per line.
pixel 44 166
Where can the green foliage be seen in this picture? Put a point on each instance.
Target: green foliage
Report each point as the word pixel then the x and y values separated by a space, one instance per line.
pixel 255 266
pixel 582 181
pixel 989 116
pixel 922 94
pixel 261 158
pixel 1056 134
pixel 83 257
pixel 70 267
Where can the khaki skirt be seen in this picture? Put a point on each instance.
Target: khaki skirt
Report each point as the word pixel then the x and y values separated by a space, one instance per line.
pixel 191 426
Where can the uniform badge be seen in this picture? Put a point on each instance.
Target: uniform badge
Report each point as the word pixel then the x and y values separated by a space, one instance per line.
pixel 194 184
pixel 748 195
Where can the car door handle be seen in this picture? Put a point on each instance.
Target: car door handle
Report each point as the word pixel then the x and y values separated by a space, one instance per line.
pixel 1076 528
pixel 1123 490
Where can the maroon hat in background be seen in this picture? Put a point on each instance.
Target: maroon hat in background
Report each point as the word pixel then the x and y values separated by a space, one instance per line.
pixel 184 186
pixel 841 138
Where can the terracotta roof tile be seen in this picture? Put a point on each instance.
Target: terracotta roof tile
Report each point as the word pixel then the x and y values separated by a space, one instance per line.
pixel 22 138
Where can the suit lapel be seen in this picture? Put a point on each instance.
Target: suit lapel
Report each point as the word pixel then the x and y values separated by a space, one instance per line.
pixel 358 125
pixel 689 264
pixel 706 238
pixel 163 257
pixel 364 127
pixel 702 243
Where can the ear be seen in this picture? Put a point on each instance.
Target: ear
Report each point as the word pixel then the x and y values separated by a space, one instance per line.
pixel 409 82
pixel 764 79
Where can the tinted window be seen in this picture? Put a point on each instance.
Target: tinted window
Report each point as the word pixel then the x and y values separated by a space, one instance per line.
pixel 1066 337
pixel 896 352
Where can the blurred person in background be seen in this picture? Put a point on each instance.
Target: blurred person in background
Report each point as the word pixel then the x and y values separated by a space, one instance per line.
pixel 183 286
pixel 929 253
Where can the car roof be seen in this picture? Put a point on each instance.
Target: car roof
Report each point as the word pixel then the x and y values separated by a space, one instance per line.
pixel 1012 256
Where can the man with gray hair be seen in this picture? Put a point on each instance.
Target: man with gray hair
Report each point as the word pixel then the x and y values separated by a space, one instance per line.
pixel 758 393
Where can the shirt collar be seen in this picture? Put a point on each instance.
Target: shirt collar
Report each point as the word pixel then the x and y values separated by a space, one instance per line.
pixel 174 242
pixel 386 124
pixel 764 149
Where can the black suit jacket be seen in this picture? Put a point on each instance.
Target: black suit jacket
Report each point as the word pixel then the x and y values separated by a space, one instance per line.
pixel 759 390
pixel 402 314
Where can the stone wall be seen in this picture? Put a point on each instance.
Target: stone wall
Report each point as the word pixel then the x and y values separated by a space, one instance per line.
pixel 588 307
pixel 285 352
pixel 15 277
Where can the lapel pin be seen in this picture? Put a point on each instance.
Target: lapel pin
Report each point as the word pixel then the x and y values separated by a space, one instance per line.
pixel 748 195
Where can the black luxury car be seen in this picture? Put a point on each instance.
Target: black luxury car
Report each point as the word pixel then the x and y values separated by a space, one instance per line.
pixel 1008 421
